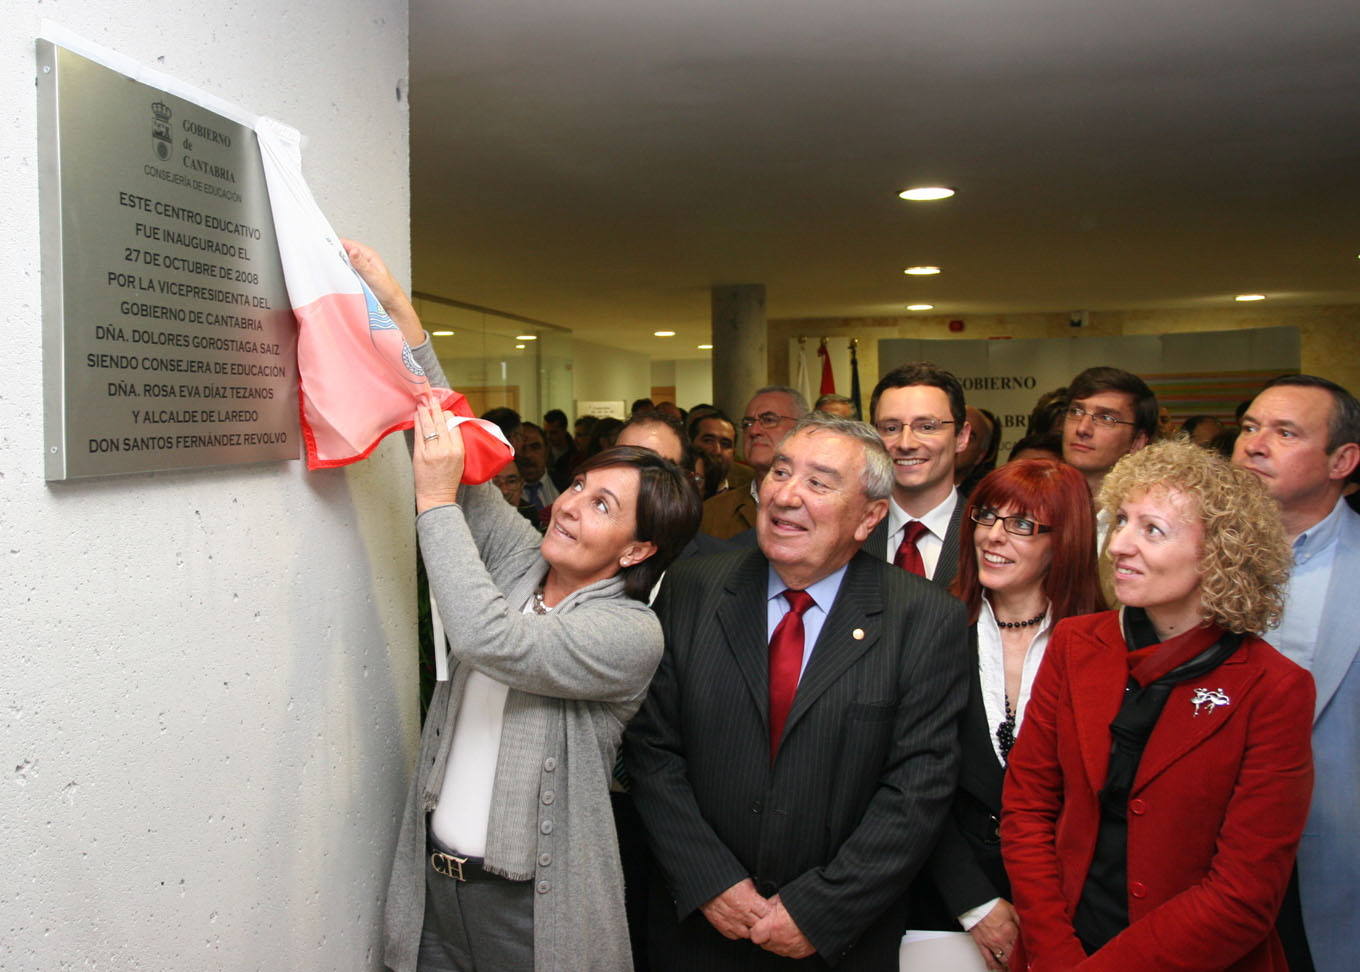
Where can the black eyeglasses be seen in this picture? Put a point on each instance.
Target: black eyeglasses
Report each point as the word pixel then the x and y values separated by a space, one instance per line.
pixel 1021 526
pixel 767 420
pixel 1107 420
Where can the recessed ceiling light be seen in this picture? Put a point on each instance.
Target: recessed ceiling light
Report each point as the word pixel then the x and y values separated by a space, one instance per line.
pixel 705 347
pixel 1246 297
pixel 925 193
pixel 920 307
pixel 519 347
pixel 921 271
pixel 526 337
pixel 663 333
pixel 441 333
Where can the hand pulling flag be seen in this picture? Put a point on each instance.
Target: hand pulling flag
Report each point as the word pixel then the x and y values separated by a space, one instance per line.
pixel 357 378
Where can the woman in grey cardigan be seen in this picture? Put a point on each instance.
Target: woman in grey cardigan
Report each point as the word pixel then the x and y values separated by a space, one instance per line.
pixel 507 858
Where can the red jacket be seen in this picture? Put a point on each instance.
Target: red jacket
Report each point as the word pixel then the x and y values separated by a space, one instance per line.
pixel 1215 812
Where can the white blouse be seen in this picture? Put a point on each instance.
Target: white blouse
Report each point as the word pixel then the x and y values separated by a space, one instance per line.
pixel 992 669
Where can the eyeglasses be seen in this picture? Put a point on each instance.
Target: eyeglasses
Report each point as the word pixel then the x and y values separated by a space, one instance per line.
pixel 1021 526
pixel 920 426
pixel 1106 420
pixel 767 420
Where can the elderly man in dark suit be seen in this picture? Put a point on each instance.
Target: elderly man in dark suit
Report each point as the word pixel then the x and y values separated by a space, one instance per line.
pixel 797 750
pixel 918 410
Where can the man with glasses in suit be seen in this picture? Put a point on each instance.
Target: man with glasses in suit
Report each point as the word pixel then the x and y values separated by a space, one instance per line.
pixel 769 415
pixel 919 413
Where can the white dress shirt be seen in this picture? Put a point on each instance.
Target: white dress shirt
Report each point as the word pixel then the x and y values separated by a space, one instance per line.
pixel 931 542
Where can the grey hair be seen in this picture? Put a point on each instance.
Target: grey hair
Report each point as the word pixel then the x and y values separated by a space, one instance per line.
pixel 877 478
pixel 799 399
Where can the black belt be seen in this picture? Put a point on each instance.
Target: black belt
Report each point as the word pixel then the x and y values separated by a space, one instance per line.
pixel 457 866
pixel 461 868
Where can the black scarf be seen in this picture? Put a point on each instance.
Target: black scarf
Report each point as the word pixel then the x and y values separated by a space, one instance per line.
pixel 1103 911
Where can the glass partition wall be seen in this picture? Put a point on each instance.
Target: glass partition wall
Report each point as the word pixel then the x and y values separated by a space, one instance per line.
pixel 498 359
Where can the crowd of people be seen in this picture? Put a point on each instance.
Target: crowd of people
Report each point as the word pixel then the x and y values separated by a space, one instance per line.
pixel 1095 706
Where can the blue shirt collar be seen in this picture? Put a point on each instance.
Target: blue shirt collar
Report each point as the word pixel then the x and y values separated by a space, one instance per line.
pixel 823 592
pixel 1323 533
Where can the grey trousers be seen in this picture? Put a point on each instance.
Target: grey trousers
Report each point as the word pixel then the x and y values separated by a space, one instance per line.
pixel 476 926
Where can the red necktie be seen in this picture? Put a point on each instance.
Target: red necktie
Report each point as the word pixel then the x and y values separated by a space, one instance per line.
pixel 786 663
pixel 908 555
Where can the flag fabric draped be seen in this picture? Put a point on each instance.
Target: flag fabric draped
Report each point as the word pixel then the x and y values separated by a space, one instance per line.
pixel 802 379
pixel 828 377
pixel 854 379
pixel 357 378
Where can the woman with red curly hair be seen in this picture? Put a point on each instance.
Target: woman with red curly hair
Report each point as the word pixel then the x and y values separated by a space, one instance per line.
pixel 1153 805
pixel 1027 562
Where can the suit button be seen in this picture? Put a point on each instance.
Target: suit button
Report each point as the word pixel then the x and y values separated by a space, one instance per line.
pixel 1137 807
pixel 756 806
pixel 1138 889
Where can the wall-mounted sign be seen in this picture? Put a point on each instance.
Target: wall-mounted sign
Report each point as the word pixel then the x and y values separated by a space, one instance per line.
pixel 168 338
pixel 602 410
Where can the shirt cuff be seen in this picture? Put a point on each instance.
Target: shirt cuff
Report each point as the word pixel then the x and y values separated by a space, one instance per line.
pixel 974 915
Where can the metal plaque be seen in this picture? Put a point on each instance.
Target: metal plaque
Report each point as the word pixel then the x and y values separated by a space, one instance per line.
pixel 168 339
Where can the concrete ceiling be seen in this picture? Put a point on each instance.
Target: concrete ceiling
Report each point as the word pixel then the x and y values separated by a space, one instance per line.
pixel 599 164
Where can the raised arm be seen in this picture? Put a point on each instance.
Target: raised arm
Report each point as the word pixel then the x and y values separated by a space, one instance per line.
pixel 370 266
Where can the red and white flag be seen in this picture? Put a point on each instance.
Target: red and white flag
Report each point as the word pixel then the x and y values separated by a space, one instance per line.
pixel 357 378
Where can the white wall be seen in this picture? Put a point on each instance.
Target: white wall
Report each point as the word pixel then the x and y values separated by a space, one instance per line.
pixel 605 374
pixel 208 706
pixel 693 382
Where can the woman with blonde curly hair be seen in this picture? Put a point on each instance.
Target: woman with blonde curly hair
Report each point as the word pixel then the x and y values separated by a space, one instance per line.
pixel 1154 803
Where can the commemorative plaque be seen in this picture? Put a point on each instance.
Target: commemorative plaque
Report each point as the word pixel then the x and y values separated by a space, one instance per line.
pixel 168 339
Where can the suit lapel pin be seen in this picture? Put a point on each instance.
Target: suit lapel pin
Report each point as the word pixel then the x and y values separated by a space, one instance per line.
pixel 1209 698
pixel 857 634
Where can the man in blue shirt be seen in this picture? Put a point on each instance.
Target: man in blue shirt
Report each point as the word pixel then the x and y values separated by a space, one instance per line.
pixel 1301 436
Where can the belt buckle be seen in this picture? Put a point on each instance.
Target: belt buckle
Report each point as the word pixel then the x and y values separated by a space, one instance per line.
pixel 452 867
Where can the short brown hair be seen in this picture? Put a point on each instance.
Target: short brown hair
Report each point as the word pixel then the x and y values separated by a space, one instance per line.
pixel 668 512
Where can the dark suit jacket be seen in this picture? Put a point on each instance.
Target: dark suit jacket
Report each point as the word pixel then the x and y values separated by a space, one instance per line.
pixel 849 811
pixel 948 564
pixel 966 868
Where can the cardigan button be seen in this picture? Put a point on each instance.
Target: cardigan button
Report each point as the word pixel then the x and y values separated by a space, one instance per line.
pixel 543 887
pixel 548 797
pixel 550 763
pixel 544 860
pixel 1138 807
pixel 1138 889
pixel 545 827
